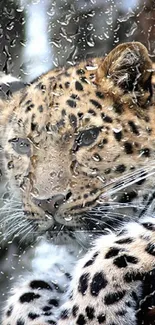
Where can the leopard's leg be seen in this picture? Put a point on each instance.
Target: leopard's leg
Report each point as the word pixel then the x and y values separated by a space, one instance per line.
pixel 107 285
pixel 36 298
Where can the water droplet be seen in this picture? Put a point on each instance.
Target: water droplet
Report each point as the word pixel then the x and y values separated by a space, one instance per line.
pixel 109 20
pixel 91 13
pixel 90 26
pixel 52 174
pixel 101 178
pixel 51 12
pixel 92 67
pixel 126 17
pixel 132 29
pixel 106 35
pixel 48 216
pixel 10 26
pixel 68 218
pixel 118 129
pixel 96 157
pixel 90 42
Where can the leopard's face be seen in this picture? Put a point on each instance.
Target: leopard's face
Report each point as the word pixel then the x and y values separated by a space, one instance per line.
pixel 76 136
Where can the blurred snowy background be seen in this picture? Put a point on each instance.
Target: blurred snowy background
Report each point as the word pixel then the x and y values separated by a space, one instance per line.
pixel 36 35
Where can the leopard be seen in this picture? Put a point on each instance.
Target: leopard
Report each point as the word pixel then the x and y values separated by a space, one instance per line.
pixel 78 147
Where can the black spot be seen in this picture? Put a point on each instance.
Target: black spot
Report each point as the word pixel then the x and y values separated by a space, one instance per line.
pixel 133 276
pixel 107 171
pixel 63 112
pixel 39 284
pixel 47 313
pixel 80 115
pixel 118 135
pixel 20 322
pixel 118 108
pixel 120 261
pixel 10 165
pixel 90 312
pixel 28 297
pixel 114 297
pixel 92 112
pixel 121 312
pixel 80 71
pixel 95 103
pixel 78 86
pixel 128 197
pixel 9 311
pixel 101 318
pixel 33 315
pixel 29 107
pixel 83 283
pixel 97 157
pixel 98 282
pixel 41 86
pixel 74 96
pixel 68 275
pixel 51 322
pixel 141 181
pixel 67 84
pixel 133 127
pixel 128 148
pixel 106 118
pixel 135 297
pixel 33 126
pixel 28 102
pixel 150 249
pixel 47 308
pixel 64 314
pixel 126 240
pixel 148 130
pixel 148 226
pixel 123 260
pixel 145 152
pixel 73 120
pixel 75 310
pixel 81 320
pixel 99 94
pixel 84 80
pixel 71 103
pixel 60 123
pixel 120 168
pixel 113 251
pixel 40 108
pixel 91 261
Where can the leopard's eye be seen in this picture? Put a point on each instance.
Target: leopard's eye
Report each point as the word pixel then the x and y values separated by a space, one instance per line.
pixel 87 137
pixel 21 146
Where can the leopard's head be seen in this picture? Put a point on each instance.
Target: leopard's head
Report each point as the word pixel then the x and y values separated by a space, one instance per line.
pixel 78 136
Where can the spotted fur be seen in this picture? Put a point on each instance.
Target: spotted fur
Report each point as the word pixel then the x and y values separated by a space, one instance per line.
pixel 78 147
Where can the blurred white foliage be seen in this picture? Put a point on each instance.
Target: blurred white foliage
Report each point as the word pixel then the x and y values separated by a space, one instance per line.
pixel 37 52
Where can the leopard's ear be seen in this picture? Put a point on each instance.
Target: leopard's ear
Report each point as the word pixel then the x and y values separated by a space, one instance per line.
pixel 129 67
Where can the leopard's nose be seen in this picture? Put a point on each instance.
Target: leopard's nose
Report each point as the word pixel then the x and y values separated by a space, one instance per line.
pixel 51 205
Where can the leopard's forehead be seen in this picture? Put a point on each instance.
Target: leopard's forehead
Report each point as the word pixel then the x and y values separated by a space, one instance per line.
pixel 66 101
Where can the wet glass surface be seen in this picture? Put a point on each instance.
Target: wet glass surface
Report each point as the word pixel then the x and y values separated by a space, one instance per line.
pixel 36 36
